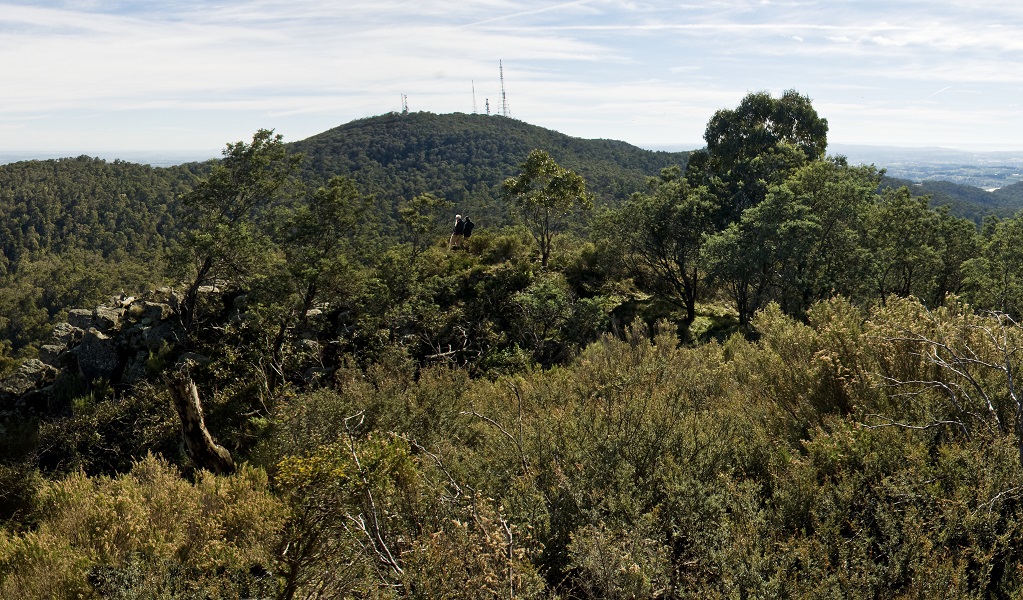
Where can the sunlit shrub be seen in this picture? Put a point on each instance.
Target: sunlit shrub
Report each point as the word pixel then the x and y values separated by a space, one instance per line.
pixel 151 530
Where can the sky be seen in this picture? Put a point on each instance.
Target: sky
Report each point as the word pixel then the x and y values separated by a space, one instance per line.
pixel 96 76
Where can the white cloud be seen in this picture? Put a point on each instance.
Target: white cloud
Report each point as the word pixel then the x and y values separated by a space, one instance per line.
pixel 642 71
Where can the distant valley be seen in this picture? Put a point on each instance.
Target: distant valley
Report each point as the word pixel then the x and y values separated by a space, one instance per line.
pixel 986 170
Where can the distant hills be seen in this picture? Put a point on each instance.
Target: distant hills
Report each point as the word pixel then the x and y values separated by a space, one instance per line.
pixel 465 158
pixel 153 158
pixel 965 200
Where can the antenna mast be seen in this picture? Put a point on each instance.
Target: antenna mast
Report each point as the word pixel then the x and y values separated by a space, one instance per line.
pixel 504 99
pixel 474 111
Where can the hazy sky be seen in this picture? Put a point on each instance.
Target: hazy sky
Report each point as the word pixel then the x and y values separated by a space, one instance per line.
pixel 92 75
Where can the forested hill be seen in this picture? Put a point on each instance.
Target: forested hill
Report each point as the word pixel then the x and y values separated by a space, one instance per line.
pixel 965 200
pixel 87 203
pixel 465 158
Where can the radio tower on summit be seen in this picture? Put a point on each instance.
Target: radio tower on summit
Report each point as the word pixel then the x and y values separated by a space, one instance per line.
pixel 504 99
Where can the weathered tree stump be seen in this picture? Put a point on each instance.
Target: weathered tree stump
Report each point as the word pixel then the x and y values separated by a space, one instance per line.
pixel 199 444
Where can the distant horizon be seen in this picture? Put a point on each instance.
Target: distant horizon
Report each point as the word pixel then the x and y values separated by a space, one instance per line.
pixel 157 157
pixel 168 158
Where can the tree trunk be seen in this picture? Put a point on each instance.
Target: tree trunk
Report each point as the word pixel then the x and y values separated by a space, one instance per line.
pixel 690 311
pixel 199 444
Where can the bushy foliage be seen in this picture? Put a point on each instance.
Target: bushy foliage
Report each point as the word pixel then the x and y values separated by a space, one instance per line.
pixel 818 414
pixel 149 533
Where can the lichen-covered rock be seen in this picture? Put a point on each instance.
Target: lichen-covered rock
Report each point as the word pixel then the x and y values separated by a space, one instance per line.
pixel 31 375
pixel 65 334
pixel 97 355
pixel 51 354
pixel 108 318
pixel 156 336
pixel 82 318
pixel 136 369
pixel 156 311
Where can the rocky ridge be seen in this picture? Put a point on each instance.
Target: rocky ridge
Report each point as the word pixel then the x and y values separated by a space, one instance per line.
pixel 112 343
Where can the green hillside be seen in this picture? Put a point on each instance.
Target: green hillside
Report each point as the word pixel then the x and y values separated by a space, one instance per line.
pixel 72 229
pixel 88 203
pixel 965 200
pixel 464 158
pixel 1011 195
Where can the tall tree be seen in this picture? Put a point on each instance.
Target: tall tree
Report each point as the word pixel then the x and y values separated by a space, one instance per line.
pixel 904 244
pixel 545 193
pixel 320 240
pixel 226 242
pixel 757 145
pixel 832 259
pixel 750 256
pixel 993 277
pixel 223 239
pixel 662 234
pixel 802 244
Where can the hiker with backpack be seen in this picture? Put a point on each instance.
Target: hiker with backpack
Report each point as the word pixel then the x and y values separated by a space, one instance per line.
pixel 456 235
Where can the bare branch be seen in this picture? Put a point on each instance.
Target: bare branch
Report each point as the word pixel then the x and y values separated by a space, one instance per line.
pixel 889 422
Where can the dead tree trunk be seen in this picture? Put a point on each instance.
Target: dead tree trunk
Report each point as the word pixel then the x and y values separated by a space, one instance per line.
pixel 199 444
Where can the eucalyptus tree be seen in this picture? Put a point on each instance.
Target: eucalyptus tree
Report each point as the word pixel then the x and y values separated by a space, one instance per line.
pixel 322 240
pixel 905 245
pixel 545 193
pixel 223 236
pixel 993 278
pixel 226 242
pixel 803 243
pixel 661 236
pixel 756 145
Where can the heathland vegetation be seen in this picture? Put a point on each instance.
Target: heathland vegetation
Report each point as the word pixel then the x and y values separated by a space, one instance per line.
pixel 752 370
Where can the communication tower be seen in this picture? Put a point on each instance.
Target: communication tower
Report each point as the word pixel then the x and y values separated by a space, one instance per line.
pixel 474 111
pixel 404 104
pixel 504 98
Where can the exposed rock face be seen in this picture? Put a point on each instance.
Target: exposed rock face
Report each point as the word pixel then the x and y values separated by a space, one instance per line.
pixel 117 343
pixel 156 311
pixel 108 318
pixel 136 370
pixel 31 375
pixel 97 355
pixel 80 318
pixel 111 342
pixel 158 334
pixel 66 335
pixel 52 354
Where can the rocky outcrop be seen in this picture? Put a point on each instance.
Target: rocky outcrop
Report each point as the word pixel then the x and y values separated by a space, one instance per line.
pixel 32 375
pixel 112 343
pixel 98 356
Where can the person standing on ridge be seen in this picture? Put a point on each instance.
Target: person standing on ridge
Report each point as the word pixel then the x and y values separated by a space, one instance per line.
pixel 456 235
pixel 467 229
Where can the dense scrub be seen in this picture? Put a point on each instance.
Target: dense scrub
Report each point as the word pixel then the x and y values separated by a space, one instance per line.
pixel 644 468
